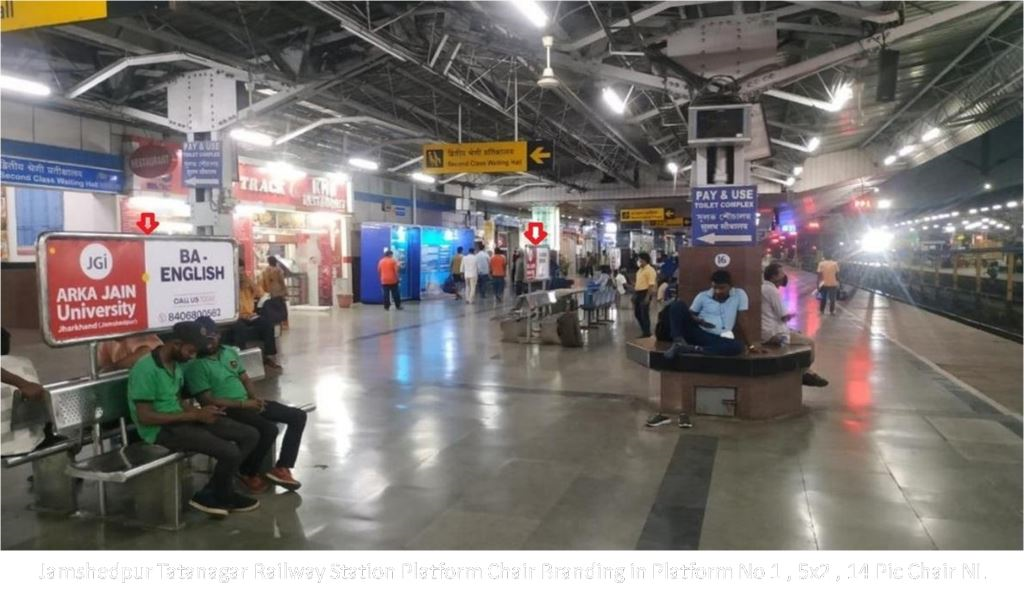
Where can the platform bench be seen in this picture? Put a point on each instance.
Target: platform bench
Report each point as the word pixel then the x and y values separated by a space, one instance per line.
pixel 753 386
pixel 94 410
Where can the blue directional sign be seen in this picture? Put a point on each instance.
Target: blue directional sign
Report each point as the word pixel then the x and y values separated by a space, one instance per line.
pixel 201 163
pixel 724 215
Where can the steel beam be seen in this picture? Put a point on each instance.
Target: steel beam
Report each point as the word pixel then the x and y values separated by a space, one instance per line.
pixel 1000 19
pixel 153 58
pixel 341 121
pixel 855 12
pixel 835 57
pixel 639 15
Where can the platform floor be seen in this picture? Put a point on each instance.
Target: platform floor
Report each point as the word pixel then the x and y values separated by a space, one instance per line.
pixel 432 434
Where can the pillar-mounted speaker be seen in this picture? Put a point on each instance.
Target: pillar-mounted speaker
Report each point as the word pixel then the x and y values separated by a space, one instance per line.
pixel 888 72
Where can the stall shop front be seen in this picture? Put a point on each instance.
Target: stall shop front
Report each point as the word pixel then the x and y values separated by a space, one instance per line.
pixel 424 257
pixel 299 217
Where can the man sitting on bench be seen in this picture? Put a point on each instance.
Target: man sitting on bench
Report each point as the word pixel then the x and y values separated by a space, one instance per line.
pixel 708 326
pixel 250 324
pixel 217 377
pixel 774 317
pixel 155 385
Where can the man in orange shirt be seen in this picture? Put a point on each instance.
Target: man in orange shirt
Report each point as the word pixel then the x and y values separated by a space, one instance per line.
pixel 387 268
pixel 498 264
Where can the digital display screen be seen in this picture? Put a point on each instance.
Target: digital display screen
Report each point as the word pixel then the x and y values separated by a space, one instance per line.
pixel 725 122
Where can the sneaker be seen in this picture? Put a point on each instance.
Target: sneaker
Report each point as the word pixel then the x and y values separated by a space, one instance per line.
pixel 240 503
pixel 658 420
pixel 679 348
pixel 684 421
pixel 206 502
pixel 283 477
pixel 253 483
pixel 812 379
pixel 271 363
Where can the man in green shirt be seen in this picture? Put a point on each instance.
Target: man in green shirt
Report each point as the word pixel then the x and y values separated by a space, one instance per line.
pixel 217 377
pixel 155 385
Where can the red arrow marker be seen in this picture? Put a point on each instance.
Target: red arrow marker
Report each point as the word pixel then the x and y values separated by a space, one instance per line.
pixel 147 222
pixel 535 232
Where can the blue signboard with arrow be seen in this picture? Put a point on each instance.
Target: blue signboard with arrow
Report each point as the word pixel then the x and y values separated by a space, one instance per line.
pixel 724 215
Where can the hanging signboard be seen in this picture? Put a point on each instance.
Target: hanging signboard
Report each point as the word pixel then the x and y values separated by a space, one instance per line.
pixel 48 166
pixel 201 163
pixel 538 263
pixel 107 285
pixel 304 192
pixel 724 215
pixel 658 214
pixel 493 157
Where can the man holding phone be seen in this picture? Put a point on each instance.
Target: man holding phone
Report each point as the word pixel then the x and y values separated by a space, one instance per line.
pixel 774 319
pixel 709 325
pixel 162 417
pixel 218 379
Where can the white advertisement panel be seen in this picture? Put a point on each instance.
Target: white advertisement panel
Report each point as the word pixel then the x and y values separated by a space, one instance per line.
pixel 189 279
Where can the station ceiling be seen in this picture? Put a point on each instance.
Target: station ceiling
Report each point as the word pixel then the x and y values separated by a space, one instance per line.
pixel 417 72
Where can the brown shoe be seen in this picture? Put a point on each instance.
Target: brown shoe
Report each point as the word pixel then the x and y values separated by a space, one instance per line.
pixel 271 363
pixel 283 476
pixel 254 483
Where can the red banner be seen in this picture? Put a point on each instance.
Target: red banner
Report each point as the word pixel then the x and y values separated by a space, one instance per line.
pixel 305 193
pixel 95 288
pixel 103 286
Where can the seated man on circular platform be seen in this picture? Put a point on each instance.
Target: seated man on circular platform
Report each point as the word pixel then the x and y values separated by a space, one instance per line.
pixel 774 317
pixel 217 378
pixel 709 325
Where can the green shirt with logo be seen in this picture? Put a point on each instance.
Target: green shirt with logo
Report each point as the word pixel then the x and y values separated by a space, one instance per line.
pixel 218 373
pixel 150 382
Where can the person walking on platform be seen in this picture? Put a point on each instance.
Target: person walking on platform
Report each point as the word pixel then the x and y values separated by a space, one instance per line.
pixel 483 270
pixel 828 284
pixel 470 270
pixel 217 378
pixel 774 331
pixel 519 272
pixel 272 282
pixel 643 293
pixel 498 268
pixel 456 270
pixel 161 416
pixel 387 269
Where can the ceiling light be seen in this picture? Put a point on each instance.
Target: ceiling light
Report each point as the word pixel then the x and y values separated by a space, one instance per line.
pixel 364 164
pixel 814 144
pixel 930 134
pixel 424 178
pixel 972 212
pixel 797 170
pixel 673 168
pixel 532 11
pixel 889 160
pixel 997 207
pixel 842 95
pixel 984 209
pixel 23 86
pixel 884 203
pixel 906 150
pixel 988 186
pixel 790 181
pixel 489 192
pixel 266 91
pixel 613 100
pixel 252 137
pixel 1012 204
pixel 955 214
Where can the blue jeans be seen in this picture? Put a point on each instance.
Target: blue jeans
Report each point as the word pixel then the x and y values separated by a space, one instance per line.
pixel 499 287
pixel 684 326
pixel 828 295
pixel 481 285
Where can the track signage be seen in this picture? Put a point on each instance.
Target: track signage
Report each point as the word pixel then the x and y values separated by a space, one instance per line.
pixel 106 285
pixel 494 157
pixel 724 215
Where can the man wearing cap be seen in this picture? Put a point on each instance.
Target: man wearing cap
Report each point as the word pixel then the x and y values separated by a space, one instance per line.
pixel 155 385
pixel 218 379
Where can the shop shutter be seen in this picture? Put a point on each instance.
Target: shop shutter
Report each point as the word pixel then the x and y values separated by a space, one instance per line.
pixel 36 211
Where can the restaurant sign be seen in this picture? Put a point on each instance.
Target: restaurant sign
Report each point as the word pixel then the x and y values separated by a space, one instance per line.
pixel 303 192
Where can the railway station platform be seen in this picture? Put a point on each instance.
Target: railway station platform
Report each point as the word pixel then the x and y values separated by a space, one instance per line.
pixel 430 433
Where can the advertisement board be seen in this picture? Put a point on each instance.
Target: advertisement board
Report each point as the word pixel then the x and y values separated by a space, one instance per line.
pixel 302 192
pixel 107 285
pixel 538 263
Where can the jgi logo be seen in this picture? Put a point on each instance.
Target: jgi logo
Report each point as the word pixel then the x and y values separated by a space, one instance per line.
pixel 96 261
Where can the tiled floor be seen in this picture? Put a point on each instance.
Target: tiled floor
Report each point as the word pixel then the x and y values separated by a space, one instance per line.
pixel 430 433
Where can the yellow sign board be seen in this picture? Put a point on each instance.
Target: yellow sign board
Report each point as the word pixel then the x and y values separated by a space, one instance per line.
pixel 646 214
pixel 493 157
pixel 29 14
pixel 676 222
